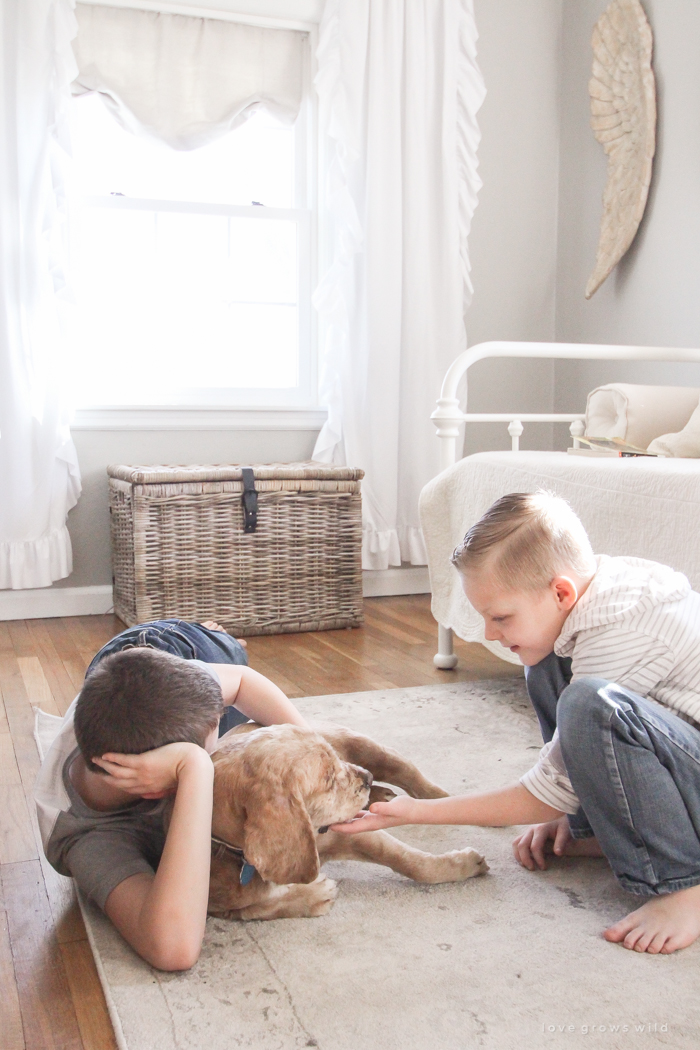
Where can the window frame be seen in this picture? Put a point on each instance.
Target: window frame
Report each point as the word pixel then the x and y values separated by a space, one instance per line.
pixel 255 405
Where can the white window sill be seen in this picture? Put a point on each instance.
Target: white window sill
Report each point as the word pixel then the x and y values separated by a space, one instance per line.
pixel 184 417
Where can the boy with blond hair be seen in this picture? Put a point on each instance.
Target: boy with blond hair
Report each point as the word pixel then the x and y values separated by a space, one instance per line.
pixel 611 648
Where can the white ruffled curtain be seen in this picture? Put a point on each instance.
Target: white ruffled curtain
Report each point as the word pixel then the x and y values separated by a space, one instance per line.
pixel 39 475
pixel 186 80
pixel 399 88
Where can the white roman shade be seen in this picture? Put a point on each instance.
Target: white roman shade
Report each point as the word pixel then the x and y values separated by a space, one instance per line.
pixel 186 80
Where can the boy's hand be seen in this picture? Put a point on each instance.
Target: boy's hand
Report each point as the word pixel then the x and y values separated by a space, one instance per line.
pixel 529 847
pixel 152 774
pixel 401 810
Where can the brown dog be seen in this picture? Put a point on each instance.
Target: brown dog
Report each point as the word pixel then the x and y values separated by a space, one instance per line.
pixel 275 787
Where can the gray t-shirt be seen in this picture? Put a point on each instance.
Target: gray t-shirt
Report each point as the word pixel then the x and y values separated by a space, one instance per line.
pixel 99 850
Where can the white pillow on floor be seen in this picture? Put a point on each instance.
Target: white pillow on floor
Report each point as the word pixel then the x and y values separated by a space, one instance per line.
pixel 685 444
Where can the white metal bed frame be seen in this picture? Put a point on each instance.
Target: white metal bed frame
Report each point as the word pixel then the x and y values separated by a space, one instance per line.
pixel 448 416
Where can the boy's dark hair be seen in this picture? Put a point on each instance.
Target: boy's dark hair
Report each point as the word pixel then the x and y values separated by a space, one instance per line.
pixel 142 698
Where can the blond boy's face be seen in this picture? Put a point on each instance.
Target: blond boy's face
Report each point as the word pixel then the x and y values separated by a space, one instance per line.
pixel 526 622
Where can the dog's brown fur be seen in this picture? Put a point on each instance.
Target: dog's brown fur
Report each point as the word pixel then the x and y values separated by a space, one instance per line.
pixel 274 787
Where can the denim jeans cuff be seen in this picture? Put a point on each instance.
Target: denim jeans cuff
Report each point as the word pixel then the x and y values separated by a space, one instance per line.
pixel 581 833
pixel 643 889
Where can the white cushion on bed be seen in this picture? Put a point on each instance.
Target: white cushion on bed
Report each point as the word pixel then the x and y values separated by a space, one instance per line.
pixel 648 508
pixel 685 443
pixel 638 414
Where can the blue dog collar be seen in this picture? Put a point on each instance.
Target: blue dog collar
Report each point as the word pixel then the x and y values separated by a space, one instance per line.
pixel 247 873
pixel 247 870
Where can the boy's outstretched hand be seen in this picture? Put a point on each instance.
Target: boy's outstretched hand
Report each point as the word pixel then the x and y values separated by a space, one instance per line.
pixel 152 774
pixel 401 810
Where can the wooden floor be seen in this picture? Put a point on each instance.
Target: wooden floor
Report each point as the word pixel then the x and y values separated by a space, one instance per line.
pixel 50 995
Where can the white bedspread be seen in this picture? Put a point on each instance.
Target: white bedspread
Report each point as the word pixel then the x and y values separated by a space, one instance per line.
pixel 649 508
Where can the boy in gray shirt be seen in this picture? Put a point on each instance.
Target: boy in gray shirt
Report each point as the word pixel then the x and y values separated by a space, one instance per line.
pixel 141 730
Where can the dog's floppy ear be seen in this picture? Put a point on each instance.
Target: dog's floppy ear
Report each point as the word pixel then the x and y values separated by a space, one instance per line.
pixel 278 839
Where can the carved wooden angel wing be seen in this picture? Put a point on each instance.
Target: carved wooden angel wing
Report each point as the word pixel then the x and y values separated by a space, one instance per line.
pixel 623 118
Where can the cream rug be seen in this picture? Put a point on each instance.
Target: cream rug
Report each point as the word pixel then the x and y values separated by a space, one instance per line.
pixel 510 960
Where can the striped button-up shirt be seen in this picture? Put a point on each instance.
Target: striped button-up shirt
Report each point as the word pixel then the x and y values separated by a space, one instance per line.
pixel 637 624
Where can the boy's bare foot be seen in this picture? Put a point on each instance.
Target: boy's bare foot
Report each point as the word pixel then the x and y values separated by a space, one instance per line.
pixel 662 925
pixel 212 625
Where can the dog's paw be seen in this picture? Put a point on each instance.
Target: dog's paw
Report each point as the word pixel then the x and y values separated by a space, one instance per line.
pixel 456 866
pixel 322 894
pixel 468 863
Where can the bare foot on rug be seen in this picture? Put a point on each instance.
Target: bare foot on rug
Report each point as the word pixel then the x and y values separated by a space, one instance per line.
pixel 662 925
pixel 553 837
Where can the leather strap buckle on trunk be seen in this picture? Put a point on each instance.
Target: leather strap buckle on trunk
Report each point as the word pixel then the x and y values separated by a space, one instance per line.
pixel 250 500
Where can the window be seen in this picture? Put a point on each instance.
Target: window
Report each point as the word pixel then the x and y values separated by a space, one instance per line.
pixel 192 269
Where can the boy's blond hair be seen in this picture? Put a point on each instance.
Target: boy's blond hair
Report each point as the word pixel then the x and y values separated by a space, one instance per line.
pixel 524 540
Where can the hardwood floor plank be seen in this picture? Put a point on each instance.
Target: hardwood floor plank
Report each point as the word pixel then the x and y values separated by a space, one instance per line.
pixel 17 842
pixel 333 666
pixel 298 660
pixel 68 921
pixel 20 718
pixel 60 890
pixel 61 686
pixel 22 644
pixel 17 839
pixel 92 632
pixel 68 652
pixel 48 1016
pixel 38 691
pixel 418 622
pixel 4 724
pixel 384 624
pixel 11 1030
pixel 6 645
pixel 90 1006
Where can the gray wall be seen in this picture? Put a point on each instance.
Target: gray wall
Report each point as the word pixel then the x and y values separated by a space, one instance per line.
pixel 652 297
pixel 513 240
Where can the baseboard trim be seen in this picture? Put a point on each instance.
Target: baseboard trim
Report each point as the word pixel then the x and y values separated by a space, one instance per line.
pixel 95 601
pixel 410 579
pixel 55 601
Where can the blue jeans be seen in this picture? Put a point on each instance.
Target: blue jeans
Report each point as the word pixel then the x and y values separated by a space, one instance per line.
pixel 190 641
pixel 635 767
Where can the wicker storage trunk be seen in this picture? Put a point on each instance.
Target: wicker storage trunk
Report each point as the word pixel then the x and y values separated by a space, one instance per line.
pixel 179 548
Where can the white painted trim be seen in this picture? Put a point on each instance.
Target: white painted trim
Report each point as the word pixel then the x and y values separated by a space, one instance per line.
pixel 97 600
pixel 167 8
pixel 182 417
pixel 377 583
pixel 55 601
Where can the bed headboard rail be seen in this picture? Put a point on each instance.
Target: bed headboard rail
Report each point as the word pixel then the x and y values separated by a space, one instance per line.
pixel 448 416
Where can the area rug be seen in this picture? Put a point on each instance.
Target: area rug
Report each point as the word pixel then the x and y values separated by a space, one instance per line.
pixel 513 959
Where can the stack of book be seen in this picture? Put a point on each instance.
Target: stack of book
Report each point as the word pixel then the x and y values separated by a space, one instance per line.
pixel 608 447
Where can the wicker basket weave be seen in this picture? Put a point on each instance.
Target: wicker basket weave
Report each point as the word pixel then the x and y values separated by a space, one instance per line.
pixel 179 549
